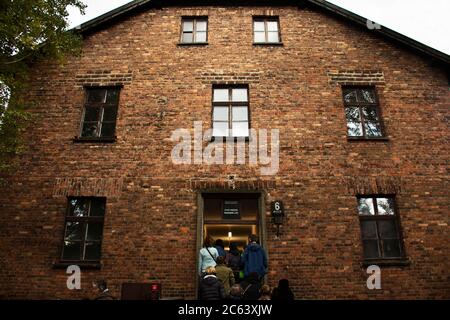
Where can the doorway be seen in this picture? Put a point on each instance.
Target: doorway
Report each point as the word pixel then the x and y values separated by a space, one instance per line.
pixel 231 217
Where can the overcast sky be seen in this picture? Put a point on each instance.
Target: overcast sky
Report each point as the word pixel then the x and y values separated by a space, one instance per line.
pixel 426 21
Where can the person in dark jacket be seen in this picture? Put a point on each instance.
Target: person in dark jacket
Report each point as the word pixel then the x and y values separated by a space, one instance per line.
pixel 233 260
pixel 235 292
pixel 254 258
pixel 210 287
pixel 282 292
pixel 103 290
pixel 251 287
pixel 220 248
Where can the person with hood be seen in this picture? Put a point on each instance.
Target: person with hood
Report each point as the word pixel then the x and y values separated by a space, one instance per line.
pixel 207 256
pixel 254 258
pixel 224 274
pixel 282 292
pixel 220 248
pixel 210 287
pixel 233 260
pixel 251 287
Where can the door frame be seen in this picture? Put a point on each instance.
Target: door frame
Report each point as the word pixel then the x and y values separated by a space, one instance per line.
pixel 200 206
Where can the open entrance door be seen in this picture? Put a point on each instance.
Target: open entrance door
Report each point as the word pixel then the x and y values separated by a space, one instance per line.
pixel 231 217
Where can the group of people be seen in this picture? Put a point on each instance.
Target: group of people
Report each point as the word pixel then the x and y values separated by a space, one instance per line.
pixel 237 275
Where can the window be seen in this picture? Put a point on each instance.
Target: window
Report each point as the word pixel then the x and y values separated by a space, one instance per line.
pixel 230 112
pixel 266 30
pixel 100 113
pixel 380 230
pixel 362 113
pixel 83 229
pixel 194 30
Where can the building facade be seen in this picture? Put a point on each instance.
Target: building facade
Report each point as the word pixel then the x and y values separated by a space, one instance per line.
pixel 361 171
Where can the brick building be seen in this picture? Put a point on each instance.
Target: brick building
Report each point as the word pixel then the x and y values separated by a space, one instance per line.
pixel 362 115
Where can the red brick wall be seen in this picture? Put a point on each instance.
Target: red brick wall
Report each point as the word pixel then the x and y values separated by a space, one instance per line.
pixel 151 220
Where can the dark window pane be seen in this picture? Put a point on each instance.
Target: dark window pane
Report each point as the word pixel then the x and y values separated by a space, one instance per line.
pixel 94 231
pixel 90 129
pixel 354 129
pixel 91 114
pixel 78 207
pixel 112 96
pixel 92 250
pixel 97 208
pixel 110 114
pixel 370 114
pixel 391 248
pixel 371 249
pixel 108 129
pixel 366 96
pixel 385 206
pixel 373 129
pixel 365 206
pixel 71 250
pixel 352 114
pixel 96 95
pixel 369 230
pixel 387 229
pixel 73 231
pixel 350 96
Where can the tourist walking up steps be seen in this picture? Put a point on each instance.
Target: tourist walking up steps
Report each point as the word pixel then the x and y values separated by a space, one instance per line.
pixel 233 260
pixel 210 287
pixel 207 256
pixel 254 258
pixel 224 274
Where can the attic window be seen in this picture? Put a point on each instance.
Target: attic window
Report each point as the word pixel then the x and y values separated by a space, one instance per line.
pixel 194 30
pixel 266 30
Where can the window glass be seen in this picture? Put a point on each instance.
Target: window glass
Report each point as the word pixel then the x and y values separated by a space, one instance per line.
pixel 272 26
pixel 259 26
pixel 220 114
pixel 239 95
pixel 221 95
pixel 385 206
pixel 71 250
pixel 240 129
pixel 240 113
pixel 220 129
pixel 365 206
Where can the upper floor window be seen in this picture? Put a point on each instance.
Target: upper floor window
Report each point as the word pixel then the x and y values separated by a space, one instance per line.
pixel 230 112
pixel 194 30
pixel 100 113
pixel 380 227
pixel 266 30
pixel 362 113
pixel 83 229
